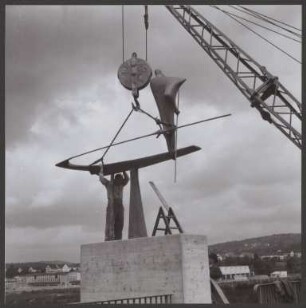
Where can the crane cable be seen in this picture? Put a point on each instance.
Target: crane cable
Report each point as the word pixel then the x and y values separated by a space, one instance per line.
pixel 258 16
pixel 122 29
pixel 268 19
pixel 123 58
pixel 269 29
pixel 146 23
pixel 176 124
pixel 274 45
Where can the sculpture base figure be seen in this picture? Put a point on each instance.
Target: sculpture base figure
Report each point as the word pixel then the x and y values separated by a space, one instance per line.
pixel 115 210
pixel 137 224
pixel 114 220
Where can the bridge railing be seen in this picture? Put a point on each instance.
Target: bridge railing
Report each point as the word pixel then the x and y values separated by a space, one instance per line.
pixel 282 291
pixel 154 299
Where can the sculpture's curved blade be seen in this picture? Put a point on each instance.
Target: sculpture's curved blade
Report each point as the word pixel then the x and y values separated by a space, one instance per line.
pixel 129 164
pixel 165 90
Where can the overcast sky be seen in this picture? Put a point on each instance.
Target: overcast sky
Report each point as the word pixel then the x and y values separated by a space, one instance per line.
pixel 63 98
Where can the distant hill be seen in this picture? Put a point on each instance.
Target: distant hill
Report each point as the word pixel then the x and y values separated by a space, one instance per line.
pixel 265 245
pixel 56 262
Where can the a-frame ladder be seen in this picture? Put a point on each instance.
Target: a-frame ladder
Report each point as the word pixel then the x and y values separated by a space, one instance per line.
pixel 162 217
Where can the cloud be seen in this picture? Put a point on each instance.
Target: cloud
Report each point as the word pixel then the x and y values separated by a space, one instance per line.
pixel 63 98
pixel 29 244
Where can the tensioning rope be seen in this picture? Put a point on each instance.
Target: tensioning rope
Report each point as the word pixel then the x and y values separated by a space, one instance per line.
pixel 145 136
pixel 118 132
pixel 156 119
pixel 241 23
pixel 261 26
pixel 266 19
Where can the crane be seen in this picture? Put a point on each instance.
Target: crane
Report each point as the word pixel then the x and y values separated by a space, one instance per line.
pixel 265 92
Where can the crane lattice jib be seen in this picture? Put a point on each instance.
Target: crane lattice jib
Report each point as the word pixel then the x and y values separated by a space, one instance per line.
pixel 274 102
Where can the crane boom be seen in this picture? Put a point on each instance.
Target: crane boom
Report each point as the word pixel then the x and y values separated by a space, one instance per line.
pixel 274 102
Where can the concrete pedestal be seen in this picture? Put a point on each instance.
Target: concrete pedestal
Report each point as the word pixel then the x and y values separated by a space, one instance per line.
pixel 171 264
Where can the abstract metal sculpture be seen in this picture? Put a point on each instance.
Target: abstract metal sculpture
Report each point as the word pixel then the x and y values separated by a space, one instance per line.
pixel 164 90
pixel 135 74
pixel 128 164
pixel 137 226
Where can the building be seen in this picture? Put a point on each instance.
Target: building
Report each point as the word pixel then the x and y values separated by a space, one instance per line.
pixel 45 279
pixel 66 269
pixel 235 272
pixel 279 257
pixel 32 270
pixel 230 255
pixel 53 269
pixel 220 258
pixel 21 279
pixel 293 254
pixel 260 278
pixel 74 277
pixel 249 255
pixel 279 274
pixel 57 269
pixel 280 265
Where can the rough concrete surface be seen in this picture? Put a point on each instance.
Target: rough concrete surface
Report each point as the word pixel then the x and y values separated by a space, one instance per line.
pixel 171 264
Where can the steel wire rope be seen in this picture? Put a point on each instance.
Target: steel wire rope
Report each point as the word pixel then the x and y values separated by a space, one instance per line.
pixel 146 45
pixel 116 135
pixel 274 45
pixel 266 20
pixel 269 29
pixel 156 119
pixel 145 136
pixel 146 22
pixel 128 116
pixel 123 56
pixel 122 29
pixel 265 17
pixel 175 150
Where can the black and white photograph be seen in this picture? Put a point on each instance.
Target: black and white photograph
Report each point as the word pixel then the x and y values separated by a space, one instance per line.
pixel 153 154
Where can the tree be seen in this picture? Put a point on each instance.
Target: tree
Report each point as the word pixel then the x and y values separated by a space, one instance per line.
pixel 262 267
pixel 11 272
pixel 294 265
